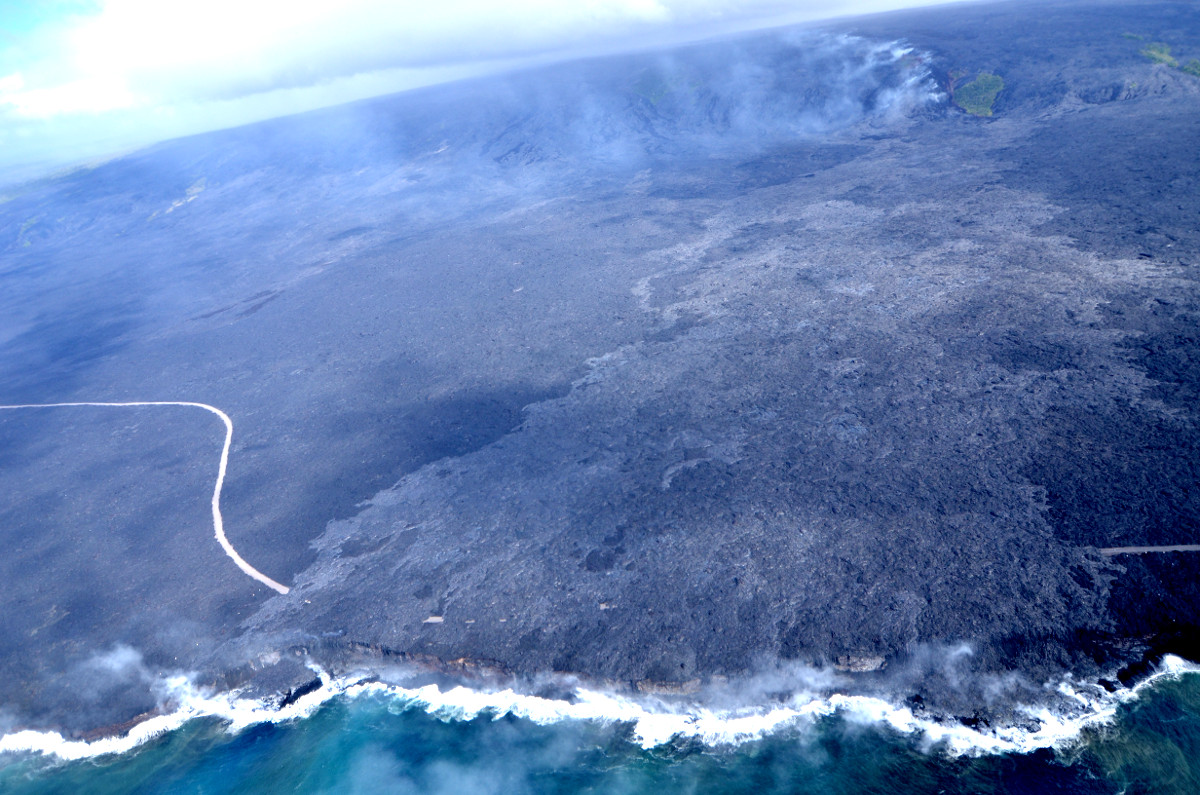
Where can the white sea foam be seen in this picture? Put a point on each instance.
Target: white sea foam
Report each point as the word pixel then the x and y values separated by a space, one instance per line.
pixel 654 722
pixel 189 703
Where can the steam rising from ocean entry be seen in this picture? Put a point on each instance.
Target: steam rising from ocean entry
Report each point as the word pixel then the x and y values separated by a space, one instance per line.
pixel 654 722
pixel 131 72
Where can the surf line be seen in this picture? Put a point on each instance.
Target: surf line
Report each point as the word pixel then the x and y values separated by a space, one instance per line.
pixel 218 522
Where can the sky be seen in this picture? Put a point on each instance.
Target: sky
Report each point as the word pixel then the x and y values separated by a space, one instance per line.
pixel 87 78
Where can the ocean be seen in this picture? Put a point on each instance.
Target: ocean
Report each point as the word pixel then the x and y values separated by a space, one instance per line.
pixel 363 736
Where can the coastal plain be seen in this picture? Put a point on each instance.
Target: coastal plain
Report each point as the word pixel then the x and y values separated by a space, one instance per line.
pixel 659 370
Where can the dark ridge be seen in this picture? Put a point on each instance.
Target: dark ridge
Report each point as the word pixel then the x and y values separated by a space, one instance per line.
pixel 352 232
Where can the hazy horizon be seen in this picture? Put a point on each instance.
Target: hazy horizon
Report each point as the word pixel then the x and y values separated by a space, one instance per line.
pixel 88 80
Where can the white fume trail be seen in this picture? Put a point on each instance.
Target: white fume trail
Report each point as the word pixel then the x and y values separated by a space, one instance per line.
pixel 218 522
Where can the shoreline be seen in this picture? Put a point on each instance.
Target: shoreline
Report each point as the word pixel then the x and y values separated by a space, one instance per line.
pixel 660 713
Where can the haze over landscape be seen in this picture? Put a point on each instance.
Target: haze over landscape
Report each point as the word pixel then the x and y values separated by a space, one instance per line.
pixel 709 371
pixel 86 79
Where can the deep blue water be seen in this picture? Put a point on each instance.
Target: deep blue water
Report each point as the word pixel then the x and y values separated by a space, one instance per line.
pixel 379 743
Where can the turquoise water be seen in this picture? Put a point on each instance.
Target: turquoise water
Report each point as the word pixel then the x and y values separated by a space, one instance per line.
pixel 379 743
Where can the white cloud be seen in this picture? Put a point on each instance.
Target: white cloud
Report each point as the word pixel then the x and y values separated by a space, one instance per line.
pixel 86 95
pixel 152 52
pixel 142 70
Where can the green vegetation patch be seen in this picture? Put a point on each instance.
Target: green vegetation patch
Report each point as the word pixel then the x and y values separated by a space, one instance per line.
pixel 652 87
pixel 978 96
pixel 1133 36
pixel 1192 67
pixel 1160 53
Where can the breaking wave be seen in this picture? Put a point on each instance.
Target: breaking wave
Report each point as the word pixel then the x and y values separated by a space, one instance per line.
pixel 652 722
